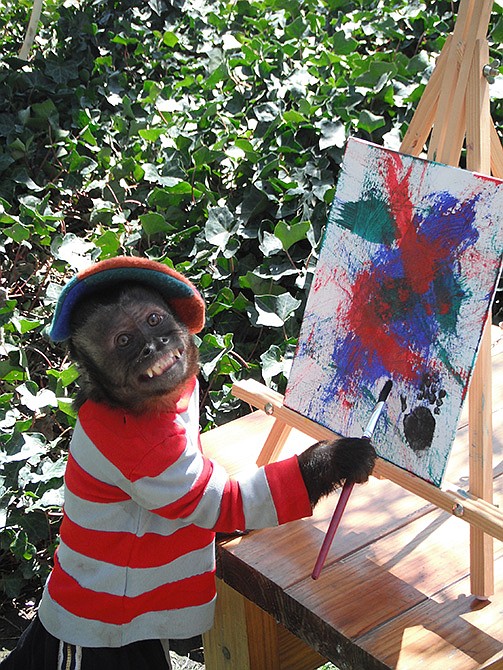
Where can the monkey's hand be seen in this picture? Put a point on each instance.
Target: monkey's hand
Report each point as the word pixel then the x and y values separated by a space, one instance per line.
pixel 327 465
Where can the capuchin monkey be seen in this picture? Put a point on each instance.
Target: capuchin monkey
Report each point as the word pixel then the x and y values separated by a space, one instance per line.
pixel 135 565
pixel 133 353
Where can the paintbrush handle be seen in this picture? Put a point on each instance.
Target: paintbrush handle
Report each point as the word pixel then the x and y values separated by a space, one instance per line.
pixel 348 487
pixel 332 528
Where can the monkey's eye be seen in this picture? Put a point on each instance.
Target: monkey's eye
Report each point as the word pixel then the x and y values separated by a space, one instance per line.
pixel 154 319
pixel 122 340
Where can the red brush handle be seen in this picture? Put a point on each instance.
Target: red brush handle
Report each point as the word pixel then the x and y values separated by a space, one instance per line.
pixel 347 488
pixel 334 524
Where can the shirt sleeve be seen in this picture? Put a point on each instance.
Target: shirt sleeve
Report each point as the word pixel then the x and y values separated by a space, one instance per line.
pixel 270 496
pixel 200 492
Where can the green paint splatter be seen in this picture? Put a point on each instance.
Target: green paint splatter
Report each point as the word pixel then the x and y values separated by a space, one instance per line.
pixel 369 218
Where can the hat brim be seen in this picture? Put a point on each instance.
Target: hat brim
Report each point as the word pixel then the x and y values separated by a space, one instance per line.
pixel 180 294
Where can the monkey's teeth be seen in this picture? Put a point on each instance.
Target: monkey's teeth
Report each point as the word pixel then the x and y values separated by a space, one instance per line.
pixel 164 364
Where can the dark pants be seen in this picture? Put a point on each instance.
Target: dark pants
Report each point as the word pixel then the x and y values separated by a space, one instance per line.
pixel 39 650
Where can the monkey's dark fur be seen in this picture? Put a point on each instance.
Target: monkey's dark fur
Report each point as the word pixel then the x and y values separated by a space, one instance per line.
pixel 134 353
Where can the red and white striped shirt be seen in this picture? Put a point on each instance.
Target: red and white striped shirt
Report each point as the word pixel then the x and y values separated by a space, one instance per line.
pixel 142 504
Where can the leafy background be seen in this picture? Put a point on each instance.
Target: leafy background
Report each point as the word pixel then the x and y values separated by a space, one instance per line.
pixel 207 135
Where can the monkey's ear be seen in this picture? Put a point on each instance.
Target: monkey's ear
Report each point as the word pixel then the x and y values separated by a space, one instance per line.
pixel 180 294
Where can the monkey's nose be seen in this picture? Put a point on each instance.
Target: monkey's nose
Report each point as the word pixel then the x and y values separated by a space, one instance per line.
pixel 148 349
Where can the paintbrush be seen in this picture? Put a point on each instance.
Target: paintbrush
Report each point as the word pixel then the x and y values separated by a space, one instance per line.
pixel 348 486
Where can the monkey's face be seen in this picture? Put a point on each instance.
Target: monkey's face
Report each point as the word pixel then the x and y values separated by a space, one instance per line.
pixel 133 349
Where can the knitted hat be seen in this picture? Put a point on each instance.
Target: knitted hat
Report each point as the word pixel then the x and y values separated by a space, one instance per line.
pixel 180 294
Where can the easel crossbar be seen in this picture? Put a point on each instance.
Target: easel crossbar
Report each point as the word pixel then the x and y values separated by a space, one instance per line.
pixel 475 511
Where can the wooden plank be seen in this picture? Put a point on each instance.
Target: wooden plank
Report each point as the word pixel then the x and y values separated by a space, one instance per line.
pixel 389 576
pixel 226 645
pixel 263 641
pixel 422 121
pixel 360 594
pixel 478 149
pixel 481 470
pixel 478 117
pixel 402 569
pixel 448 132
pixel 449 630
pixel 304 623
pixel 245 637
pixel 449 82
pixel 296 654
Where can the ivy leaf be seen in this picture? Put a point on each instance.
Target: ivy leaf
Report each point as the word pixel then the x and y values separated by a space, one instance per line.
pixel 30 446
pixel 220 226
pixel 343 45
pixel 290 234
pixel 53 498
pixel 266 112
pixel 272 363
pixel 151 173
pixel 271 244
pixel 211 350
pixel 109 243
pixel 49 470
pixel 275 310
pixel 74 250
pixel 36 401
pixel 153 223
pixel 370 122
pixel 377 75
pixel 332 134
pixel 18 232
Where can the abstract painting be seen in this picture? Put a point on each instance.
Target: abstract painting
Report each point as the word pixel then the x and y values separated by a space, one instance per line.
pixel 407 270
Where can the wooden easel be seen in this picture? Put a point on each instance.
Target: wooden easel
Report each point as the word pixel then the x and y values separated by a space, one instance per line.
pixel 454 109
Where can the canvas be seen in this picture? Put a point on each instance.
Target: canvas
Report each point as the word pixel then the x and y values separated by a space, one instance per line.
pixel 407 269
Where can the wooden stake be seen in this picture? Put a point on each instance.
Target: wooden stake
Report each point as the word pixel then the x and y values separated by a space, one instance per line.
pixel 274 444
pixel 478 159
pixel 422 121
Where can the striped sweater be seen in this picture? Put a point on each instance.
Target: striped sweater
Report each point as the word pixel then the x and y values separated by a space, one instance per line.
pixel 136 558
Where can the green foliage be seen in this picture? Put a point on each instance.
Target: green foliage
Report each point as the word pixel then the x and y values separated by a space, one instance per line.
pixel 206 135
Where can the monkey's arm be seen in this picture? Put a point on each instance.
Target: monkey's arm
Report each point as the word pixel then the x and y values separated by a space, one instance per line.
pixel 295 485
pixel 199 491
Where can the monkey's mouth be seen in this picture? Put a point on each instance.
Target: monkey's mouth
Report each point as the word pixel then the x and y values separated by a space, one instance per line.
pixel 162 365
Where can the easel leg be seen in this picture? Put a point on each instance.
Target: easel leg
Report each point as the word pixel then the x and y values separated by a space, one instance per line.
pixel 274 444
pixel 478 146
pixel 481 471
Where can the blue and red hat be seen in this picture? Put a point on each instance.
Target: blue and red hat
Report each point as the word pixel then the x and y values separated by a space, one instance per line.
pixel 180 294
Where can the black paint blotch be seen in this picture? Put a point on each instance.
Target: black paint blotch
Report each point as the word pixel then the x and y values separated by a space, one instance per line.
pixel 419 427
pixel 403 401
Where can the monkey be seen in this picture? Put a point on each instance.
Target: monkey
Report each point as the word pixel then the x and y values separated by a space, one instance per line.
pixel 139 357
pixel 135 565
